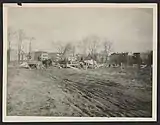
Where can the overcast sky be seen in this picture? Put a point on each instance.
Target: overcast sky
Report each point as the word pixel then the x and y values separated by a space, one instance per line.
pixel 128 29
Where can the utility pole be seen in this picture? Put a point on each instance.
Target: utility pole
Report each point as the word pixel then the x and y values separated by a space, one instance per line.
pixel 30 46
pixel 19 44
pixel 30 43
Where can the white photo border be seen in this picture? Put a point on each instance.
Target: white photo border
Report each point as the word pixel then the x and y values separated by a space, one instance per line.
pixel 79 119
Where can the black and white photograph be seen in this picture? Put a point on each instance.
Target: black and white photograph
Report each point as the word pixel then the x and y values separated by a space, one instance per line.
pixel 79 62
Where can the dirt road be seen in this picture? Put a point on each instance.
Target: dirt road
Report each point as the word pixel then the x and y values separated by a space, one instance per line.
pixel 66 92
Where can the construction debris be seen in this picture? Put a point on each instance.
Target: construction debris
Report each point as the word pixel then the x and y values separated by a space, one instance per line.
pixel 76 65
pixel 69 66
pixel 24 65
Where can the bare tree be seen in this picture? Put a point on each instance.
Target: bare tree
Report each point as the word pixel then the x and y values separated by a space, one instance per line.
pixel 10 34
pixel 59 46
pixel 73 50
pixel 91 44
pixel 67 49
pixel 93 47
pixel 64 48
pixel 82 46
pixel 107 47
pixel 21 37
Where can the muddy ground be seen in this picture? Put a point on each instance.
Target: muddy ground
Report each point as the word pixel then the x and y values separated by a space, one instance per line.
pixel 103 92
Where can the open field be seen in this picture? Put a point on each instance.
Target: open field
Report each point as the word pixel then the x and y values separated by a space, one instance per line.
pixel 103 92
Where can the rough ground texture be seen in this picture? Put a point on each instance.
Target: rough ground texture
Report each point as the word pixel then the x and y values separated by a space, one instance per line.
pixel 105 92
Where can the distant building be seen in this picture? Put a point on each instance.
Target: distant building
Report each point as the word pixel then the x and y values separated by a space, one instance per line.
pixel 36 55
pixel 44 56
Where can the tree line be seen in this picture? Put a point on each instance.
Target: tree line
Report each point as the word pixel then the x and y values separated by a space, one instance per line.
pixel 91 47
pixel 89 50
pixel 20 36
